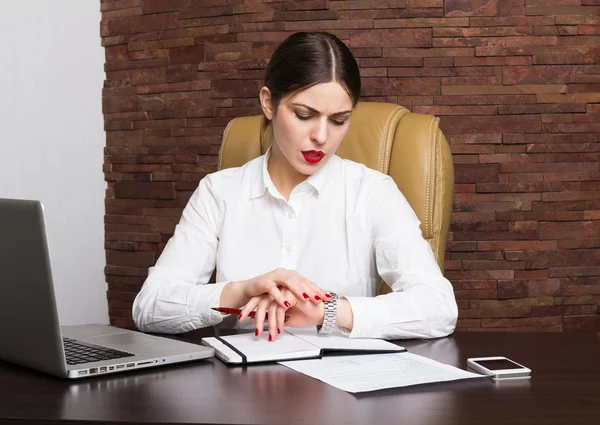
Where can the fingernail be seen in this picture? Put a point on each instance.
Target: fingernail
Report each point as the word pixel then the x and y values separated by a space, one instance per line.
pixel 256 332
pixel 240 318
pixel 287 304
pixel 318 298
pixel 328 296
pixel 278 331
pixel 270 338
pixel 305 296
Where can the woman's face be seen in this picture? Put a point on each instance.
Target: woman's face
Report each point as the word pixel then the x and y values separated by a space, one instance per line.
pixel 309 126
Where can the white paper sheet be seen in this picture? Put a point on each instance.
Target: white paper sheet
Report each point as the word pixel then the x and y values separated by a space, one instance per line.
pixel 378 371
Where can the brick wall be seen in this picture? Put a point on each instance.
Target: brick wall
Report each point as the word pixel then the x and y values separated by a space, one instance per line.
pixel 515 82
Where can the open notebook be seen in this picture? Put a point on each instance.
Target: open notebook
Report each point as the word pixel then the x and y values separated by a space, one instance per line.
pixel 293 345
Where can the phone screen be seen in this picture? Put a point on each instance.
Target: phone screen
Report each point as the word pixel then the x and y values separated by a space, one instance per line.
pixel 498 364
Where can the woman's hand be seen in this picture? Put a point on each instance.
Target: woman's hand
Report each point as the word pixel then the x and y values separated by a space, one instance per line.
pixel 299 314
pixel 237 294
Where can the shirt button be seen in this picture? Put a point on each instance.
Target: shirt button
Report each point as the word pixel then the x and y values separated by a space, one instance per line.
pixel 288 249
pixel 291 215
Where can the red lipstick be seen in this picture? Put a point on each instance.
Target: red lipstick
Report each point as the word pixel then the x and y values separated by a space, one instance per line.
pixel 313 157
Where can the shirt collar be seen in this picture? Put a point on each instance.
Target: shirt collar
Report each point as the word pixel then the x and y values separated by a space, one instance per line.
pixel 316 181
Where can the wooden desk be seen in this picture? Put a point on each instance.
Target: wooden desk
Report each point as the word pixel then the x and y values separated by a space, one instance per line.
pixel 564 389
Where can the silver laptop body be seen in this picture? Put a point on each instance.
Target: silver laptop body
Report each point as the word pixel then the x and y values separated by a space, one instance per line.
pixel 29 328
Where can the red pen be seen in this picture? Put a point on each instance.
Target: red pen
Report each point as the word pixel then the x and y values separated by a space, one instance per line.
pixel 236 311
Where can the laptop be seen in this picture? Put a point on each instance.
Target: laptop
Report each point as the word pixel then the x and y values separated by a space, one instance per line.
pixel 29 327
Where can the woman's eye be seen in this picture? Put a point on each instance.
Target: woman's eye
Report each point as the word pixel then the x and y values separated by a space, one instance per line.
pixel 307 117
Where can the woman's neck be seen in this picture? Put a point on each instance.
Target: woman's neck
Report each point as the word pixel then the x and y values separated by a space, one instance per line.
pixel 283 175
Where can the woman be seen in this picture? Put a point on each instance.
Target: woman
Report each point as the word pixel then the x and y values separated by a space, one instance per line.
pixel 291 230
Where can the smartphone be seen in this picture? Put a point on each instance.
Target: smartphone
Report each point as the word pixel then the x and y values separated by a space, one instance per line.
pixel 498 367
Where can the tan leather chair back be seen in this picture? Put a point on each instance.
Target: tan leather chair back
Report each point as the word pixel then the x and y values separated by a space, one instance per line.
pixel 385 137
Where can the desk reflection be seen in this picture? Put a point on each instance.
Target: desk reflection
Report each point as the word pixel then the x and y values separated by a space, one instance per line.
pixel 266 394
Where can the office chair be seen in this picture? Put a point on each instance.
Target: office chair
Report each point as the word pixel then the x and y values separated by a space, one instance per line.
pixel 389 138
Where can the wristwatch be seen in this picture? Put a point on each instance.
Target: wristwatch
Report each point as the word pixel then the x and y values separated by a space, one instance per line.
pixel 329 316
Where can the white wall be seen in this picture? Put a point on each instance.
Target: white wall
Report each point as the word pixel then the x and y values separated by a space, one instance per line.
pixel 51 139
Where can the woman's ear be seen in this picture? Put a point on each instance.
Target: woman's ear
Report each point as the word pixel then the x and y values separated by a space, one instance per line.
pixel 265 102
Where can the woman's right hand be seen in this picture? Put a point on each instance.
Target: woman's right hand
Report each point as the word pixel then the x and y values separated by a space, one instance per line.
pixel 238 294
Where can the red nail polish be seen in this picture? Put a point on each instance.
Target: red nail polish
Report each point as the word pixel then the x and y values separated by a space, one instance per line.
pixel 256 332
pixel 278 331
pixel 328 296
pixel 305 296
pixel 240 318
pixel 270 338
pixel 318 298
pixel 287 304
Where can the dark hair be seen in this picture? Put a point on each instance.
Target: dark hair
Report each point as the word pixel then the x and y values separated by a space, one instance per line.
pixel 305 59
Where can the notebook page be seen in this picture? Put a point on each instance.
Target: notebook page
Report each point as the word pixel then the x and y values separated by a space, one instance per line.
pixel 260 349
pixel 338 341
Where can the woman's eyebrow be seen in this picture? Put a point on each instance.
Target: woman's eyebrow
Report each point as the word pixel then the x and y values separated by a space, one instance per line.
pixel 315 111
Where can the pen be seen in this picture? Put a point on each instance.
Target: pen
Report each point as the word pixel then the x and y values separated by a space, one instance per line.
pixel 236 311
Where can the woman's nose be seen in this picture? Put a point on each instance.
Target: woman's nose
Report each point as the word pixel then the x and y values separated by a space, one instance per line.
pixel 319 132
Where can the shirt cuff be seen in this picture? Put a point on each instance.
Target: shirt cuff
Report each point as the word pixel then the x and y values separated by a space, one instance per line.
pixel 204 315
pixel 366 323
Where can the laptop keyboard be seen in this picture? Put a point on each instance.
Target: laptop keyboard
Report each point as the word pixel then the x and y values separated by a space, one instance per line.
pixel 79 352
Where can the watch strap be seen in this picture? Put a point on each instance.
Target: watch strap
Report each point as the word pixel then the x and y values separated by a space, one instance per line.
pixel 329 316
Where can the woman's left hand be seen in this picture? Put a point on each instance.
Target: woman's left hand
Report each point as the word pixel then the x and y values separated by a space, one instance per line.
pixel 299 314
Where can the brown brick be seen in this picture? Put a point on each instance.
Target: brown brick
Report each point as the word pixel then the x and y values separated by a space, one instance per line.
pixel 467 323
pixel 148 76
pixel 130 259
pixel 586 29
pixel 306 5
pixel 541 323
pixel 574 271
pixel 478 284
pixel 474 294
pixel 578 300
pixel 132 25
pixel 421 23
pixel 541 216
pixel 124 138
pixel 536 75
pixel 476 173
pixel 175 87
pixel 496 312
pixel 144 190
pixel 560 10
pixel 424 3
pixel 428 52
pixel 569 230
pixel 582 323
pixel 183 55
pixel 481 32
pixel 455 8
pixel 391 38
pixel 569 98
pixel 492 265
pixel 228 88
pixel 542 109
pixel 485 100
pixel 496 124
pixel 533 50
pixel 548 138
pixel 492 61
pixel 531 274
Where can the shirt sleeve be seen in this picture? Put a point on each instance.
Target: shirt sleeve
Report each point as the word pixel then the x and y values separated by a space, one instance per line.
pixel 175 297
pixel 422 304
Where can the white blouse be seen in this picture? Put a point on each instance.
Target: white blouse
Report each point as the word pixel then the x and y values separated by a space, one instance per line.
pixel 342 228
